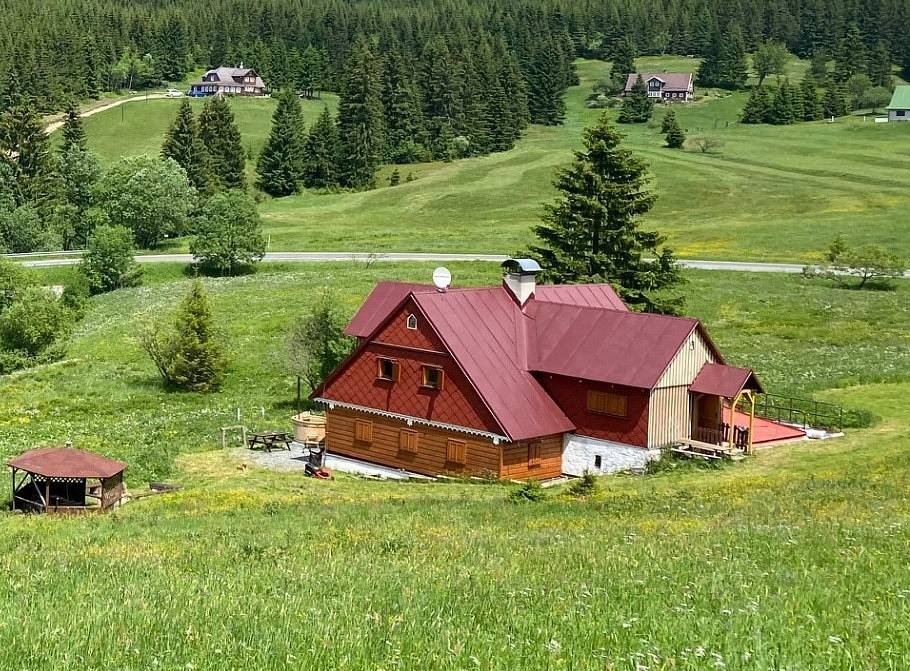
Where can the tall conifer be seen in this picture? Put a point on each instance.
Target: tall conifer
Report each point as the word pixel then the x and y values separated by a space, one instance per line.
pixel 280 164
pixel 73 134
pixel 182 144
pixel 592 233
pixel 221 139
pixel 360 118
pixel 320 170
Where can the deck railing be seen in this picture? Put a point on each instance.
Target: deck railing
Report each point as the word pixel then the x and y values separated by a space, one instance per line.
pixel 718 435
pixel 798 411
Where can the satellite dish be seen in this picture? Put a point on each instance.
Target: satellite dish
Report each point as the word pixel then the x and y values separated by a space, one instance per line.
pixel 442 278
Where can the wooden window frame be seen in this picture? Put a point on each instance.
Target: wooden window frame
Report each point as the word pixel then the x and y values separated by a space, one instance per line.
pixel 396 369
pixel 411 322
pixel 535 449
pixel 408 441
pixel 598 403
pixel 425 383
pixel 363 431
pixel 456 451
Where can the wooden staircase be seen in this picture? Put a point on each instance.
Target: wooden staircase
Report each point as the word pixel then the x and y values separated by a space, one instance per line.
pixel 696 449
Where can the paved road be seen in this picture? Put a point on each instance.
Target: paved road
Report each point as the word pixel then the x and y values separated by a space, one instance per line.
pixel 313 257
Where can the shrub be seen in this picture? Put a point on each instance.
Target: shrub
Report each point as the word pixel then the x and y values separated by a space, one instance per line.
pixel 586 485
pixel 229 233
pixel 34 322
pixel 528 492
pixel 22 230
pixel 75 295
pixel 705 143
pixel 14 279
pixel 109 262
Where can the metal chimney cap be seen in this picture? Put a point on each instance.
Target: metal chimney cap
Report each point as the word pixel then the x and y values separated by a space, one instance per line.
pixel 522 266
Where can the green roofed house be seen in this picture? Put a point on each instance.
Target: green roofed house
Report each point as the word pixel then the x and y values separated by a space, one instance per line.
pixel 899 107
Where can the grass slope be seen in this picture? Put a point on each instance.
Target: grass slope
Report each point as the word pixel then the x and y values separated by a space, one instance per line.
pixel 772 192
pixel 794 559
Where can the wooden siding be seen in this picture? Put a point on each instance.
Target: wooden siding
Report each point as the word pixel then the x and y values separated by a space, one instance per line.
pixel 513 461
pixel 572 397
pixel 669 415
pixel 539 459
pixel 682 370
pixel 481 456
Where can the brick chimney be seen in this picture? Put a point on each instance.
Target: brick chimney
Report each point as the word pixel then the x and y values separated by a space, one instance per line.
pixel 521 278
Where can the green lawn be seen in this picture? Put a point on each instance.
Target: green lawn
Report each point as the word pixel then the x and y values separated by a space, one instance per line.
pixel 771 193
pixel 775 193
pixel 795 559
pixel 138 127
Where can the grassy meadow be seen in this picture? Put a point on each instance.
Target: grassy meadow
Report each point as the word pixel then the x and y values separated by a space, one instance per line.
pixel 795 559
pixel 773 193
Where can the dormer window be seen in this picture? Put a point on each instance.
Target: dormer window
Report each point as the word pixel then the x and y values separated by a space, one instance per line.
pixel 412 322
pixel 387 369
pixel 433 377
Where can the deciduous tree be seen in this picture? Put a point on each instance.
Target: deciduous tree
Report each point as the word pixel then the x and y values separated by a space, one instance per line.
pixel 228 233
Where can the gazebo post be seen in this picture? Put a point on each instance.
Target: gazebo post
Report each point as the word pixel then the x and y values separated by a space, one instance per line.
pixel 732 428
pixel 14 490
pixel 47 494
pixel 751 419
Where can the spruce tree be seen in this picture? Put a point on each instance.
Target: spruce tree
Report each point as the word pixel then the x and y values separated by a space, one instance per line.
pixel 592 233
pixel 280 164
pixel 439 81
pixel 834 103
pixel 26 148
pixel 73 134
pixel 623 58
pixel 182 144
pixel 812 104
pixel 757 106
pixel 320 169
pixel 546 84
pixel 850 57
pixel 221 139
pixel 196 358
pixel 781 110
pixel 672 131
pixel 636 105
pixel 361 130
pixel 405 131
pixel 879 65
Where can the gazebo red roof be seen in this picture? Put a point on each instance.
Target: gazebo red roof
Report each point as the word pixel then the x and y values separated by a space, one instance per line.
pixel 67 462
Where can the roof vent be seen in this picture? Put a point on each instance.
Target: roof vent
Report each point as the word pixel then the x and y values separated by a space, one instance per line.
pixel 521 278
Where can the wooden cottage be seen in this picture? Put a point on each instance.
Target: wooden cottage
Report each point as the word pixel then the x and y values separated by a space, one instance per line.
pixel 65 480
pixel 665 86
pixel 526 381
pixel 239 81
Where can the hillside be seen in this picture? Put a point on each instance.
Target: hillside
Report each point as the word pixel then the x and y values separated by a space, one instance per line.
pixel 793 557
pixel 771 193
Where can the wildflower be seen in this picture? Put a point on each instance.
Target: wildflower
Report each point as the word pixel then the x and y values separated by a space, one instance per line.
pixel 836 640
pixel 553 646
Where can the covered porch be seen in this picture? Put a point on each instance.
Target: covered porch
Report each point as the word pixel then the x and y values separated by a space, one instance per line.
pixel 64 480
pixel 722 400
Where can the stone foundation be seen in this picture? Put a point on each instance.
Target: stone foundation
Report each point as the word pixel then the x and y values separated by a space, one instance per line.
pixel 583 453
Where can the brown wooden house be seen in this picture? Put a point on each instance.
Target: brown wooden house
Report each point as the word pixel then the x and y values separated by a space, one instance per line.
pixel 526 381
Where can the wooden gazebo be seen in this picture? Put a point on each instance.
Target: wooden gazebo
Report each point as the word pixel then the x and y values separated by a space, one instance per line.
pixel 65 480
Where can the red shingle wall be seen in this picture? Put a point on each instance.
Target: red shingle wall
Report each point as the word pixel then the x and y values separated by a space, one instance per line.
pixel 456 403
pixel 572 397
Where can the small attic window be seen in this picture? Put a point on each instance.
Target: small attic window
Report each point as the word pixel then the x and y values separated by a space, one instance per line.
pixel 412 322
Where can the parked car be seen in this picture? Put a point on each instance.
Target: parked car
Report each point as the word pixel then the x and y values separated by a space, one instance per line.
pixel 174 93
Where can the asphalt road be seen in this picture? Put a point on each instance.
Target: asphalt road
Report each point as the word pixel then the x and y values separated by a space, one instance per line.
pixel 315 257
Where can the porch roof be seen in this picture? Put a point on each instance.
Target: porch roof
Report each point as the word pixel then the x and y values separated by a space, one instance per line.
pixel 726 381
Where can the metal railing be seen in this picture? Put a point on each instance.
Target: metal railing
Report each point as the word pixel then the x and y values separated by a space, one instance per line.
pixel 799 411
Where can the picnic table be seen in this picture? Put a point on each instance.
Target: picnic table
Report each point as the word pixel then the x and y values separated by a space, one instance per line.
pixel 270 440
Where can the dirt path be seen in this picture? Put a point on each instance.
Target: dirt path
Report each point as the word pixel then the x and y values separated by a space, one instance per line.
pixel 57 122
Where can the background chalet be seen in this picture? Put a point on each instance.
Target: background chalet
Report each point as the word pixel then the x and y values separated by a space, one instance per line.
pixel 525 381
pixel 667 86
pixel 239 81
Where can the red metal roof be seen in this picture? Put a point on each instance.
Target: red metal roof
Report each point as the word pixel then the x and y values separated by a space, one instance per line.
pixel 589 295
pixel 625 348
pixel 382 300
pixel 484 332
pixel 67 462
pixel 580 331
pixel 722 380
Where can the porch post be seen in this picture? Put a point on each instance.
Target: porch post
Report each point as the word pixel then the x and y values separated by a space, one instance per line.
pixel 732 418
pixel 751 419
